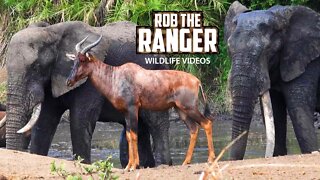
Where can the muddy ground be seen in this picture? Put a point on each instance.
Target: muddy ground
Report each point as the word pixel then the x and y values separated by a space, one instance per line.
pixel 20 165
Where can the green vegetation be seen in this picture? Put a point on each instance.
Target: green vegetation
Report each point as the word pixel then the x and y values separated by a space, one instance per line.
pixel 58 169
pixel 3 92
pixel 16 14
pixel 102 168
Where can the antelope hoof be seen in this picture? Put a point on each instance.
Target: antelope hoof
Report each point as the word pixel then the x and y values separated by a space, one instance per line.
pixel 211 159
pixel 186 162
pixel 131 167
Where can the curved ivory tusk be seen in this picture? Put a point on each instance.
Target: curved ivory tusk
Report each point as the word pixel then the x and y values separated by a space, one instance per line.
pixel 87 48
pixel 3 121
pixel 269 123
pixel 78 49
pixel 33 119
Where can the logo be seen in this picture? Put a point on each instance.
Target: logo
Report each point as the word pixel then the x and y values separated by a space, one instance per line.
pixel 178 32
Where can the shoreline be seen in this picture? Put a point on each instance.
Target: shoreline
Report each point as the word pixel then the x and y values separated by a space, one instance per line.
pixel 22 165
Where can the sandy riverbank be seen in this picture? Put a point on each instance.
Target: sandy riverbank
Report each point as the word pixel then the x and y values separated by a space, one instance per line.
pixel 20 165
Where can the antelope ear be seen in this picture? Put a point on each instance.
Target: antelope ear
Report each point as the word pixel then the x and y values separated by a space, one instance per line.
pixel 60 72
pixel 71 56
pixel 89 56
pixel 235 9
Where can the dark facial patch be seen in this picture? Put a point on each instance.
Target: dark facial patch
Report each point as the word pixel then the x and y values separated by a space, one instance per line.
pixel 82 57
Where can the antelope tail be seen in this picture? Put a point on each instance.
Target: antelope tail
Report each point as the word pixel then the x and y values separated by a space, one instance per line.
pixel 207 112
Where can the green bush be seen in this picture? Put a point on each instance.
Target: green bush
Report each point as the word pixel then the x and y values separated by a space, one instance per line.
pixel 102 168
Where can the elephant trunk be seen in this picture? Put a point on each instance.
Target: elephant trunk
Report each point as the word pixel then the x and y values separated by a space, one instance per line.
pixel 245 90
pixel 16 117
pixel 244 94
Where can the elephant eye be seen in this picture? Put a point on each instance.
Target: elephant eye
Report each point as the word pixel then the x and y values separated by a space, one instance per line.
pixel 235 20
pixel 263 27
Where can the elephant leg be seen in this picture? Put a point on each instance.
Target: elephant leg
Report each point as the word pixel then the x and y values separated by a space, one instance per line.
pixel 82 124
pixel 85 104
pixel 280 122
pixel 124 149
pixel 45 128
pixel 158 123
pixel 301 97
pixel 26 142
pixel 144 147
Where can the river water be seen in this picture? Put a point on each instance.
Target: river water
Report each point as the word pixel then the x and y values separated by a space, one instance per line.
pixel 106 139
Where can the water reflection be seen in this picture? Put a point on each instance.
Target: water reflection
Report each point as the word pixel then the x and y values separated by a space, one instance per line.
pixel 106 139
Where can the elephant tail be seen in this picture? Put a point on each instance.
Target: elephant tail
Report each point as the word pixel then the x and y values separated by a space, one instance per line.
pixel 207 112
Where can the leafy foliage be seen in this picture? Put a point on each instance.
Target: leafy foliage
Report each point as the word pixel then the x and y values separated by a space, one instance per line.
pixel 58 169
pixel 3 92
pixel 22 13
pixel 140 11
pixel 102 168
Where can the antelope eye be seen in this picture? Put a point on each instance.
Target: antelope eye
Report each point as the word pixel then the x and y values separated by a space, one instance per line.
pixel 82 58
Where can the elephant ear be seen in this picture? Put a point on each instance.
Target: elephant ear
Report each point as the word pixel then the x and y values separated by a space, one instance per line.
pixel 60 73
pixel 63 65
pixel 229 25
pixel 301 39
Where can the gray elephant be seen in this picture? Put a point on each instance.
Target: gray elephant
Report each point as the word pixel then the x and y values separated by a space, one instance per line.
pixel 37 71
pixel 275 56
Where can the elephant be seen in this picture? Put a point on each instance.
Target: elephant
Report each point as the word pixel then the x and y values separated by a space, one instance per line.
pixel 275 57
pixel 37 71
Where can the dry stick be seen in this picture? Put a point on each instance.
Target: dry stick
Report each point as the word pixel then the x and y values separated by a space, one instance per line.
pixel 205 174
pixel 228 146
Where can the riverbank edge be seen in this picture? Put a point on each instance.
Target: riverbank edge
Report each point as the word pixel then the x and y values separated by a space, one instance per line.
pixel 22 165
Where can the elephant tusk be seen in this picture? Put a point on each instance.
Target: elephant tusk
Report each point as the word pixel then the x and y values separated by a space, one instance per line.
pixel 269 123
pixel 3 121
pixel 33 120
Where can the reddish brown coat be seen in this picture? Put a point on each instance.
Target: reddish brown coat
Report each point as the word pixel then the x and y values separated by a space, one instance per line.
pixel 130 87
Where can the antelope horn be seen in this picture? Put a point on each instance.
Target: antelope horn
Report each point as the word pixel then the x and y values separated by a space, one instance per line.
pixel 34 118
pixel 3 121
pixel 87 48
pixel 269 123
pixel 78 49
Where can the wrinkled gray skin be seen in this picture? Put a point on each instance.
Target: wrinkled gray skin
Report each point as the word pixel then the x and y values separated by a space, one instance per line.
pixel 277 50
pixel 37 72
